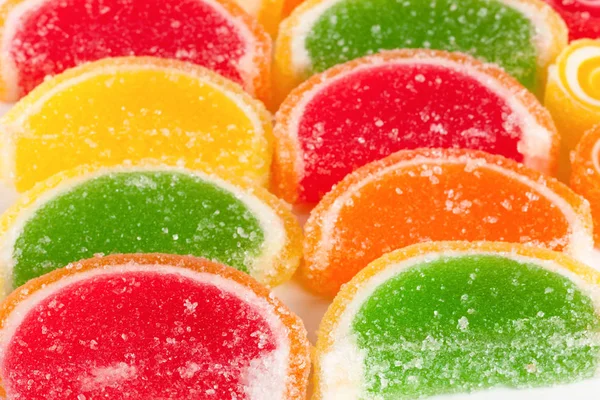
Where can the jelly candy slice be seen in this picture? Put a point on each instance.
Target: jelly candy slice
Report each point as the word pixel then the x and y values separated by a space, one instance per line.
pixel 368 108
pixel 45 37
pixel 522 36
pixel 462 320
pixel 573 95
pixel 585 174
pixel 582 17
pixel 128 109
pixel 268 12
pixel 150 327
pixel 148 209
pixel 415 196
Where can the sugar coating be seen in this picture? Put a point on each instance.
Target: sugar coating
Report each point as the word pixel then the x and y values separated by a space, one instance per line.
pixel 204 335
pixel 44 37
pixel 508 33
pixel 149 209
pixel 428 195
pixel 461 323
pixel 582 17
pixel 137 213
pixel 129 109
pixel 479 322
pixel 369 108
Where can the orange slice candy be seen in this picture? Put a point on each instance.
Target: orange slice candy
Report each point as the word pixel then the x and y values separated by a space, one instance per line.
pixel 430 194
pixel 585 173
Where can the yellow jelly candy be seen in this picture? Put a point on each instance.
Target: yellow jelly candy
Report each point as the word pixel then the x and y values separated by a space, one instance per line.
pixel 129 109
pixel 573 95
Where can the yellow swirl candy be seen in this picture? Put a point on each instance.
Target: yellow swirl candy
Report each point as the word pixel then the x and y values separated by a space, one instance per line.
pixel 573 95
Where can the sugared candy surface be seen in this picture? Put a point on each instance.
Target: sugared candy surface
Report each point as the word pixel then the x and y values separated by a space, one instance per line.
pixel 582 17
pixel 130 109
pixel 78 214
pixel 44 38
pixel 366 109
pixel 585 174
pixel 150 327
pixel 424 195
pixel 471 320
pixel 323 33
pixel 573 95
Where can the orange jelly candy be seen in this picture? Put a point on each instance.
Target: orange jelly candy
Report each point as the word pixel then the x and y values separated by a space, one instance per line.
pixel 585 173
pixel 425 195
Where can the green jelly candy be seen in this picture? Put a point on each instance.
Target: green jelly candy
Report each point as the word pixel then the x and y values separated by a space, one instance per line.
pixel 471 323
pixel 521 36
pixel 150 211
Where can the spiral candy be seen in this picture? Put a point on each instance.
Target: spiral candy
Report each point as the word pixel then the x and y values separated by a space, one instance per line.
pixel 573 94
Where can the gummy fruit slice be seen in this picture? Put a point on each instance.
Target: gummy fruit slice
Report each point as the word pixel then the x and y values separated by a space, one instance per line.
pixel 582 17
pixel 585 174
pixel 322 33
pixel 147 209
pixel 130 109
pixel 573 95
pixel 368 108
pixel 45 37
pixel 150 327
pixel 467 320
pixel 414 196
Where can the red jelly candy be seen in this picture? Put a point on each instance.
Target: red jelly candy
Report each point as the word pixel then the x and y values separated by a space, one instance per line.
pixel 582 17
pixel 150 327
pixel 367 109
pixel 43 38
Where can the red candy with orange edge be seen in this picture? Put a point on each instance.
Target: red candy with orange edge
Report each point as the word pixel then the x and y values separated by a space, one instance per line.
pixel 150 327
pixel 43 38
pixel 368 108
